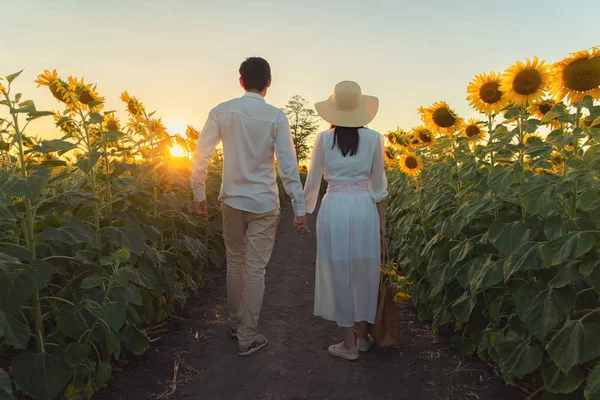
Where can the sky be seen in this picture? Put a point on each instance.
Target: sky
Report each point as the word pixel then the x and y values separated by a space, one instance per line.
pixel 181 57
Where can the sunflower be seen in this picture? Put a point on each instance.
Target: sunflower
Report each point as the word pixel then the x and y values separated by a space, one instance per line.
pixel 539 171
pixel 110 123
pixel 424 135
pixel 87 93
pixel 485 95
pixel 439 117
pixel 557 160
pixel 411 164
pixel 67 126
pixel 2 88
pixel 134 107
pixel 156 127
pixel 401 296
pixel 534 136
pixel 413 140
pixel 59 88
pixel 390 153
pixel 525 83
pixel 473 131
pixel 577 76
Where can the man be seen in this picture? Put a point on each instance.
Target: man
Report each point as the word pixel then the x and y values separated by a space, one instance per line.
pixel 252 133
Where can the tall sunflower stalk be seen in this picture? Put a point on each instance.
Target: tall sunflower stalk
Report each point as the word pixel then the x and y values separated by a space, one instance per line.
pixel 21 168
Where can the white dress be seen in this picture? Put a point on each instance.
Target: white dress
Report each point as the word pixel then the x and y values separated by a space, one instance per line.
pixel 348 236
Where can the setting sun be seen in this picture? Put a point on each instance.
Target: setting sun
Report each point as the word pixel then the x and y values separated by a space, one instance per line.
pixel 177 151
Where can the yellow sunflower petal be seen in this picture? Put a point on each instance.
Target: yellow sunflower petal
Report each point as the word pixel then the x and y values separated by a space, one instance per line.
pixel 485 95
pixel 440 118
pixel 474 131
pixel 577 76
pixel 525 83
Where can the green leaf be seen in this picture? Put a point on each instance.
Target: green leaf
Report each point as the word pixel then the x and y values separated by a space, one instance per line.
pixel 14 331
pixel 87 162
pixel 92 282
pixel 488 275
pixel 95 118
pixel 30 187
pixel 541 308
pixel 15 293
pixel 135 340
pixel 130 294
pixel 574 344
pixel 113 136
pixel 566 275
pixel 6 216
pixel 553 227
pixel 12 77
pixel 4 146
pixel 589 200
pixel 555 381
pixel 104 373
pixel 130 237
pixel 559 112
pixel 568 247
pixel 55 145
pixel 113 344
pixel 75 232
pixel 592 155
pixel 465 273
pixel 507 237
pixel 462 307
pixel 592 389
pixel 33 115
pixel 525 258
pixel 113 314
pixel 42 375
pixel 500 179
pixel 536 198
pixel 41 273
pixel 76 353
pixel 75 320
pixel 517 357
pixel 6 392
pixel 145 276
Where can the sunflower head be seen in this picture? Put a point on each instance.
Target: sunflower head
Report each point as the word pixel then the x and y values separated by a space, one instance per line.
pixel 531 138
pixel 66 125
pixel 110 123
pixel 424 135
pixel 87 93
pixel 485 95
pixel 134 107
pixel 411 164
pixel 474 131
pixel 557 160
pixel 525 83
pixel 390 153
pixel 60 89
pixel 191 133
pixel 156 127
pixel 540 171
pixel 440 118
pixel 577 76
pixel 412 140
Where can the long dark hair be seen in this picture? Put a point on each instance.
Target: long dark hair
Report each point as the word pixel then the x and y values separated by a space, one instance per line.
pixel 346 139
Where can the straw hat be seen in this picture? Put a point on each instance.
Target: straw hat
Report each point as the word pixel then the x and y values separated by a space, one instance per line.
pixel 348 107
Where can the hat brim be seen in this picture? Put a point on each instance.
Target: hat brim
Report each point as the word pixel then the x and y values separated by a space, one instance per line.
pixel 358 117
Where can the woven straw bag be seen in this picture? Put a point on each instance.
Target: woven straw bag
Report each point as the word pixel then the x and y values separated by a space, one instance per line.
pixel 386 330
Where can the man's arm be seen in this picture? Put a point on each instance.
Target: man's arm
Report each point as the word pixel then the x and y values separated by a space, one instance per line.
pixel 288 166
pixel 208 140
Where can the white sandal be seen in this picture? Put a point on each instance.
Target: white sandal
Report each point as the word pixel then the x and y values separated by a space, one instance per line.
pixel 365 345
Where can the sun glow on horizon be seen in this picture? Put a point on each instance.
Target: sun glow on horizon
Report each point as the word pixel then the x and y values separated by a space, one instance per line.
pixel 177 151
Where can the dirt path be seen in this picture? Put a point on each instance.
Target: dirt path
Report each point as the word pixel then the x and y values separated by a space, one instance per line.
pixel 295 364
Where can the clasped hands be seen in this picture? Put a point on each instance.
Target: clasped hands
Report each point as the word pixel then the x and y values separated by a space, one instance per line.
pixel 301 224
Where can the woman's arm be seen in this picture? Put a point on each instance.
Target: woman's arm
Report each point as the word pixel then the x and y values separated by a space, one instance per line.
pixel 378 183
pixel 312 186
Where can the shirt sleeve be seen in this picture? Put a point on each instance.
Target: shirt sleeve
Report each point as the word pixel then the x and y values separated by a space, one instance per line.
pixel 288 165
pixel 207 141
pixel 315 174
pixel 378 183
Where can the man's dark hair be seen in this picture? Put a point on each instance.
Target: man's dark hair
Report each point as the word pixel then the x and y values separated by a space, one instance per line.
pixel 255 73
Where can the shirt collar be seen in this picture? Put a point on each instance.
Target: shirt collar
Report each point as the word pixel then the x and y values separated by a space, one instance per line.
pixel 252 95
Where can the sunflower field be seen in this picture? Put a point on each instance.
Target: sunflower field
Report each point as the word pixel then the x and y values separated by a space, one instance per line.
pixel 497 222
pixel 98 238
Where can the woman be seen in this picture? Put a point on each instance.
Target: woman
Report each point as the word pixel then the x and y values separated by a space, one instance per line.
pixel 352 215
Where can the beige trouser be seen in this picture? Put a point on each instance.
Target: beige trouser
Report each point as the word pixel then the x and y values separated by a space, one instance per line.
pixel 249 240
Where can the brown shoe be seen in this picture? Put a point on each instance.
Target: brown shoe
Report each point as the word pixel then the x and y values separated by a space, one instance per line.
pixel 259 342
